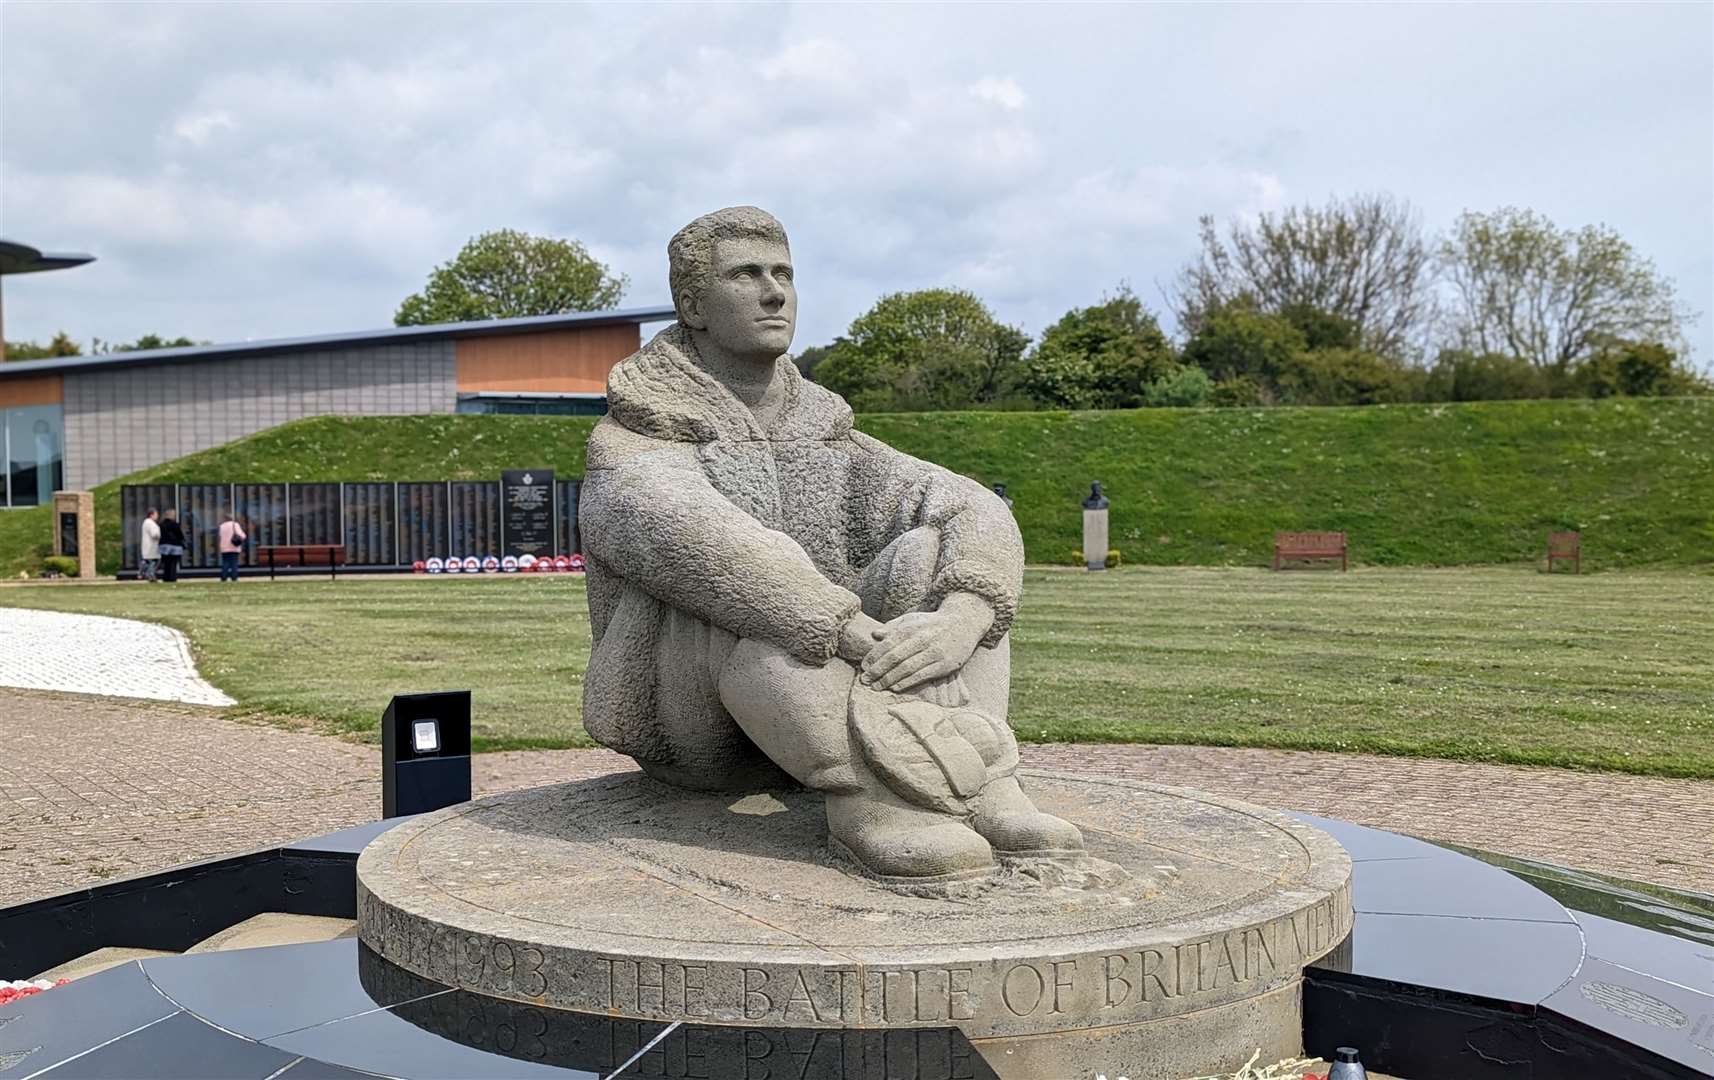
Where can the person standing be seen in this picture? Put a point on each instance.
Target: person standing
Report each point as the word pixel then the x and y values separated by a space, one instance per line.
pixel 232 537
pixel 149 547
pixel 172 545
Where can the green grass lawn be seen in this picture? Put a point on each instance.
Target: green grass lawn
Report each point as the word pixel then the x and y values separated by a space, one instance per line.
pixel 1605 671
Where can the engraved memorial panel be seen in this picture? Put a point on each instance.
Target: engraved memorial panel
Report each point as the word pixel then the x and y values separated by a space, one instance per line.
pixel 527 499
pixel 261 509
pixel 369 524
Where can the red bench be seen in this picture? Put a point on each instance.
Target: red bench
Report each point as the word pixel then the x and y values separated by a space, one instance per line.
pixel 1564 546
pixel 1310 545
pixel 331 556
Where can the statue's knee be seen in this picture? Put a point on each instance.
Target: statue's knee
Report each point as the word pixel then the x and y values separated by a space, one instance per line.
pixel 899 578
pixel 795 712
pixel 760 680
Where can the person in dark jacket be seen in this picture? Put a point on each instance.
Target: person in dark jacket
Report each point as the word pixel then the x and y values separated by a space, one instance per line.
pixel 172 545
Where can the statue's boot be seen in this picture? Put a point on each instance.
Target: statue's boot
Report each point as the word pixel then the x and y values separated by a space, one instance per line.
pixel 1000 811
pixel 797 714
pixel 1010 822
pixel 901 844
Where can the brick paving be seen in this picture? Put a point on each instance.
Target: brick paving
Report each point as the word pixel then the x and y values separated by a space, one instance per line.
pixel 93 788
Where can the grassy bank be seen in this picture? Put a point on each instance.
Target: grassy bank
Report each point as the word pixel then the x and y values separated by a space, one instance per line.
pixel 1417 485
pixel 1413 485
pixel 1608 671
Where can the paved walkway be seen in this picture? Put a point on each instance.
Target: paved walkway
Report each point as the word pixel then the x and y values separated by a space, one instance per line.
pixel 94 788
pixel 94 654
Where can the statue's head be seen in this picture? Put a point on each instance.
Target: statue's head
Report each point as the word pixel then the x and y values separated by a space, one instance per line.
pixel 731 274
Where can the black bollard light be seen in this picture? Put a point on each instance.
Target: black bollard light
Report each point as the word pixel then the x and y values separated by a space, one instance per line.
pixel 425 752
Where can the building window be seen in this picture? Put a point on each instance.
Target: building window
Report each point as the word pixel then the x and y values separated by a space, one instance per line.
pixel 33 453
pixel 522 405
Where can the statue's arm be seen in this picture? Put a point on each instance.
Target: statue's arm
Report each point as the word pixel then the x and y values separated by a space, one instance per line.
pixel 981 550
pixel 668 532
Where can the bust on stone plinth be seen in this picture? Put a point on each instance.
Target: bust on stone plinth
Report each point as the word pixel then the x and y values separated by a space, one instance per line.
pixel 777 598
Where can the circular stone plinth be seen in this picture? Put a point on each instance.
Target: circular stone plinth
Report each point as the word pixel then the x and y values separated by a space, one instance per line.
pixel 1177 948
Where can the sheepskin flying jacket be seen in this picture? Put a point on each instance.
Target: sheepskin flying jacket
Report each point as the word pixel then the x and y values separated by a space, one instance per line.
pixel 689 508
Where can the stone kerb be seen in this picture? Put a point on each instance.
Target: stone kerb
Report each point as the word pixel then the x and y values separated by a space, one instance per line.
pixel 660 904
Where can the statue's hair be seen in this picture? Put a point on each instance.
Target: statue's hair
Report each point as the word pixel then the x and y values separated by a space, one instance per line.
pixel 690 253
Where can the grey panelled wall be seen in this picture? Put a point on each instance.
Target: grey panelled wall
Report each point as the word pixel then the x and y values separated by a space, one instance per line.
pixel 127 419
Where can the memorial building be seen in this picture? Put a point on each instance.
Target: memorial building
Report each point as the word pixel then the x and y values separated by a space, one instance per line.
pixel 79 421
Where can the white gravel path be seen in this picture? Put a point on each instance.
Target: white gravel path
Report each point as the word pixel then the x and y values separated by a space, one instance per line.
pixel 95 654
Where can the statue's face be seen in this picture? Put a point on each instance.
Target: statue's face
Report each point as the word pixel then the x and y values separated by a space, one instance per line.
pixel 749 304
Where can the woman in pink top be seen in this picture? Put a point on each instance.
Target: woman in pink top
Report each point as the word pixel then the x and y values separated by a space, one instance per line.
pixel 232 537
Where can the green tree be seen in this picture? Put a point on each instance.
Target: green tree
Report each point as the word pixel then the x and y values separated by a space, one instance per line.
pixel 1185 386
pixel 1235 340
pixel 509 274
pixel 1345 376
pixel 61 345
pixel 1100 357
pixel 1635 369
pixel 1362 259
pixel 1322 329
pixel 1461 375
pixel 809 359
pixel 925 350
pixel 1239 391
pixel 1524 287
pixel 147 341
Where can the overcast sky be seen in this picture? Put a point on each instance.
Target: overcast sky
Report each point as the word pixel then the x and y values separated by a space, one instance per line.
pixel 258 170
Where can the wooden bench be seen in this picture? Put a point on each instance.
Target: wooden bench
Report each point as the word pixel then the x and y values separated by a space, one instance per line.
pixel 1565 546
pixel 330 555
pixel 1310 545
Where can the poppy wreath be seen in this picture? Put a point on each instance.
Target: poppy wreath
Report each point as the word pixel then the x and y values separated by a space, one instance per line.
pixel 23 988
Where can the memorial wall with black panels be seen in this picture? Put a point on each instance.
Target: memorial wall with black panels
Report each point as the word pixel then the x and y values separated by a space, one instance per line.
pixel 261 509
pixel 202 507
pixel 380 524
pixel 135 502
pixel 568 540
pixel 370 524
pixel 314 514
pixel 424 521
pixel 475 518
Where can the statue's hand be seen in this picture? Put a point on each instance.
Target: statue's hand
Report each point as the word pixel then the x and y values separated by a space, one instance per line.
pixel 923 646
pixel 857 638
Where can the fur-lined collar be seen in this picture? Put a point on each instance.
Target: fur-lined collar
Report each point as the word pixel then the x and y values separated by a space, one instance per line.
pixel 661 392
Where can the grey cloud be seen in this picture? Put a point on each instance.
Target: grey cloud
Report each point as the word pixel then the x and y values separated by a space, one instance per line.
pixel 254 170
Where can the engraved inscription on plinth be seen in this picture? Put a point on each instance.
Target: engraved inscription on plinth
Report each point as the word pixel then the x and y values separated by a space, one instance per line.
pixel 687 919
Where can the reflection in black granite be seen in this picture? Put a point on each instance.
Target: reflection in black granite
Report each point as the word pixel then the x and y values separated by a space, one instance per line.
pixel 1664 910
pixel 1365 844
pixel 40 1030
pixel 311 1069
pixel 652 1048
pixel 1674 959
pixel 1453 887
pixel 223 986
pixel 350 841
pixel 181 1047
pixel 1496 959
pixel 1688 915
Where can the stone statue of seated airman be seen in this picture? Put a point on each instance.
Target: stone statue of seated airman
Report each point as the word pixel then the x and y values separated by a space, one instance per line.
pixel 778 598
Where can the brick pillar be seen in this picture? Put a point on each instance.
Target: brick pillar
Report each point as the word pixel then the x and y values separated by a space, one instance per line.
pixel 74 529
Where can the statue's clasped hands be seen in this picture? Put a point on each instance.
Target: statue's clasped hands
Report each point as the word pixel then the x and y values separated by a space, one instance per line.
pixel 919 648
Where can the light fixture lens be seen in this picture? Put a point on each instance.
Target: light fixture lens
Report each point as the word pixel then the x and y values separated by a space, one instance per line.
pixel 425 736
